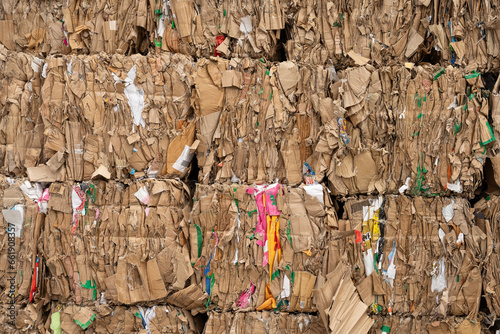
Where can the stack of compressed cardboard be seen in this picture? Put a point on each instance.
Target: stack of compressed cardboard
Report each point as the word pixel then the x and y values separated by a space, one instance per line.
pixel 455 32
pixel 80 117
pixel 21 228
pixel 118 319
pixel 124 244
pixel 423 130
pixel 192 28
pixel 380 101
pixel 59 27
pixel 259 247
pixel 328 32
pixel 263 323
pixel 97 244
pixel 21 224
pixel 254 116
pixel 421 256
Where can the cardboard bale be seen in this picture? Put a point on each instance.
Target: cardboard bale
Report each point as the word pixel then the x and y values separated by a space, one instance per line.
pixel 133 115
pixel 253 251
pixel 22 266
pixel 486 214
pixel 255 120
pixel 21 225
pixel 263 323
pixel 60 27
pixel 356 32
pixel 192 28
pixel 22 137
pixel 420 131
pixel 103 318
pixel 228 29
pixel 22 318
pixel 427 325
pixel 420 256
pixel 125 244
pixel 432 141
pixel 86 117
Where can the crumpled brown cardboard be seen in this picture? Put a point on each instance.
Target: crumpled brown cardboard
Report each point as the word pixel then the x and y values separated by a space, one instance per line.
pixel 263 323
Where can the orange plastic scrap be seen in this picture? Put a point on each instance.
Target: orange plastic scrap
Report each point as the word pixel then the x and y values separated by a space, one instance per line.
pixel 273 251
pixel 270 302
pixel 273 242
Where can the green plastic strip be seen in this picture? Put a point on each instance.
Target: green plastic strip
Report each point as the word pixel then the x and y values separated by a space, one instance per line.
pixel 88 285
pixel 288 234
pixel 93 193
pixel 273 199
pixel 280 303
pixel 492 139
pixel 89 194
pixel 339 22
pixel 439 73
pixel 157 44
pixel 200 238
pixel 420 175
pixel 87 324
pixel 275 274
pixel 473 75
pixel 419 100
